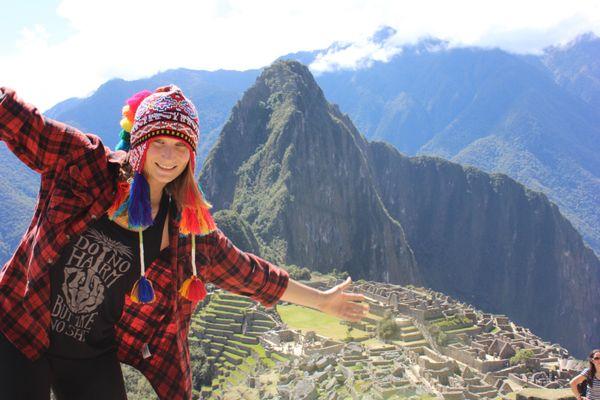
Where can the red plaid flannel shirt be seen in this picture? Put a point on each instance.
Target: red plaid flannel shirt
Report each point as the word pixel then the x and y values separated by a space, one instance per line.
pixel 78 182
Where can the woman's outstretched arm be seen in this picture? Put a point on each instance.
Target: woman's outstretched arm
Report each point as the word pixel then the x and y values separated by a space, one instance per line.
pixel 246 274
pixel 38 141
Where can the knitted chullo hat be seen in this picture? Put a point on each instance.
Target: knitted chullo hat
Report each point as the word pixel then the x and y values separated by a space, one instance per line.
pixel 147 116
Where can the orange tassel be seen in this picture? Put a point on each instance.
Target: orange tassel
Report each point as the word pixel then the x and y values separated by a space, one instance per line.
pixel 189 221
pixel 193 289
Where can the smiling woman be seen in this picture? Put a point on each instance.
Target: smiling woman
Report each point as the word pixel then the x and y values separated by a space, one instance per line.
pixel 76 298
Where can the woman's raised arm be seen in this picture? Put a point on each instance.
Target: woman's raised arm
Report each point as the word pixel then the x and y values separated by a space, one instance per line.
pixel 38 141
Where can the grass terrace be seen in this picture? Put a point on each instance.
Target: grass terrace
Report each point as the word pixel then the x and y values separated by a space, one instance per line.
pixel 306 319
pixel 218 327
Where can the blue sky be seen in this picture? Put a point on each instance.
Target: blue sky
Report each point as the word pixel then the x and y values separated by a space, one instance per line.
pixel 28 14
pixel 55 49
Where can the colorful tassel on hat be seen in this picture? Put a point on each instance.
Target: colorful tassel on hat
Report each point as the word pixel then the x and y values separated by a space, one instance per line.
pixel 193 288
pixel 142 291
pixel 195 220
pixel 195 216
pixel 139 209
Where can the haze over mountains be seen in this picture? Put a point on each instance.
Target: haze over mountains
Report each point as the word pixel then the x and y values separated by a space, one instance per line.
pixel 314 192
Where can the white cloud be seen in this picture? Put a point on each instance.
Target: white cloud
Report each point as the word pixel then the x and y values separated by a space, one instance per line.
pixel 133 39
pixel 515 26
pixel 359 54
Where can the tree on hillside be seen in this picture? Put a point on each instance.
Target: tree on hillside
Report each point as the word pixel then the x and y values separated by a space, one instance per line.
pixel 297 273
pixel 387 328
pixel 521 356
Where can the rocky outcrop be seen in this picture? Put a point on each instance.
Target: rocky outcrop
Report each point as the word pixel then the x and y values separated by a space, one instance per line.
pixel 296 169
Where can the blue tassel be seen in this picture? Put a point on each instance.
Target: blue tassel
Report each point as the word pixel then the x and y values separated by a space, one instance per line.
pixel 142 291
pixel 139 208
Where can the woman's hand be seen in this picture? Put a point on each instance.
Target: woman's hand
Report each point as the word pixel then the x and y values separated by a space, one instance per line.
pixel 344 305
pixel 334 301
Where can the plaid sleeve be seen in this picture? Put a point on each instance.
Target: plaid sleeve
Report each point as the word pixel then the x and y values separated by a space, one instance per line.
pixel 243 273
pixel 36 140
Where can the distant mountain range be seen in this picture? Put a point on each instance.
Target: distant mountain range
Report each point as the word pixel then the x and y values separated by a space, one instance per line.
pixel 293 173
pixel 213 93
pixel 315 193
pixel 534 118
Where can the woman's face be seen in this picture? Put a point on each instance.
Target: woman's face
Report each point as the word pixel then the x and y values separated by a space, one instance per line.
pixel 166 158
pixel 596 360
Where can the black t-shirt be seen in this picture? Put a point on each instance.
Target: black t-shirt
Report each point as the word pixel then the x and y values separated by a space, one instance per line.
pixel 89 283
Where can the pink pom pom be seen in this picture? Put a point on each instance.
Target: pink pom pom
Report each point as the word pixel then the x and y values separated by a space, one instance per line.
pixel 135 100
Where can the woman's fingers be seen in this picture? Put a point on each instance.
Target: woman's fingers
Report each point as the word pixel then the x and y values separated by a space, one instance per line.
pixel 354 311
pixel 358 308
pixel 354 317
pixel 354 297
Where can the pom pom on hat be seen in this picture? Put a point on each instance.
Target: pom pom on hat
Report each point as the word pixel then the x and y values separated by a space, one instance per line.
pixel 128 111
pixel 134 101
pixel 126 124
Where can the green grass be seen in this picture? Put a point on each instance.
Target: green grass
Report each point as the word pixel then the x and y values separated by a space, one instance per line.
pixel 467 329
pixel 307 319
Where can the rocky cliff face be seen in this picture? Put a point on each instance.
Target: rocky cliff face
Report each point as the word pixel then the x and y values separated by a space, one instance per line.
pixel 489 241
pixel 316 194
pixel 295 168
pixel 534 118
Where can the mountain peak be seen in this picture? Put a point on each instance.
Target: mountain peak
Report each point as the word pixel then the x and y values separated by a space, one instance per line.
pixel 581 43
pixel 295 169
pixel 586 37
pixel 290 77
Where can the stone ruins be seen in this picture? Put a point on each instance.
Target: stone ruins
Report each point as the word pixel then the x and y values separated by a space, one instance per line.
pixel 442 348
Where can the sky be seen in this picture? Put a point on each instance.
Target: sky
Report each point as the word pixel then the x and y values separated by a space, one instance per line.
pixel 51 50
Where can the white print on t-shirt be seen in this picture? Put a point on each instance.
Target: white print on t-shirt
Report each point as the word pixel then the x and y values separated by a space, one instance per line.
pixel 96 262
